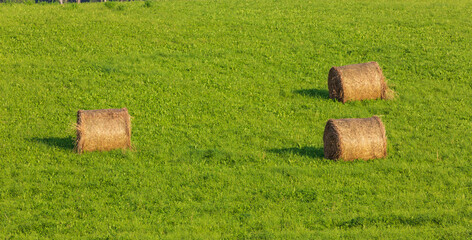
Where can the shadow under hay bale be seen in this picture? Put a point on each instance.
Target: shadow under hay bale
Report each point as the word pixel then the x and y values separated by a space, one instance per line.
pixel 355 138
pixel 357 82
pixel 103 130
pixel 66 143
pixel 312 152
pixel 315 93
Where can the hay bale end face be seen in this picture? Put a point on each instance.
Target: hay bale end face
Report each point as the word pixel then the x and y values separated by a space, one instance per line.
pixel 103 130
pixel 357 82
pixel 355 138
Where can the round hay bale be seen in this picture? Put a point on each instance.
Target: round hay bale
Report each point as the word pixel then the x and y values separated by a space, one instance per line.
pixel 103 130
pixel 357 82
pixel 355 138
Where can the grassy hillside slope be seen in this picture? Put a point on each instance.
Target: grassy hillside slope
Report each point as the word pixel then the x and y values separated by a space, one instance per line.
pixel 229 101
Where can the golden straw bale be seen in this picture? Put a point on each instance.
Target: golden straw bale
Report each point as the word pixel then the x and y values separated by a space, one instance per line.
pixel 357 82
pixel 103 130
pixel 355 138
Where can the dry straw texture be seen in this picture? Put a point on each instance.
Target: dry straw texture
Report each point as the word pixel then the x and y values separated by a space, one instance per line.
pixel 357 82
pixel 103 130
pixel 355 138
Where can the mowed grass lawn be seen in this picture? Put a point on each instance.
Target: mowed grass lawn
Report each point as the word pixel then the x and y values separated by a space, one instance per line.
pixel 229 101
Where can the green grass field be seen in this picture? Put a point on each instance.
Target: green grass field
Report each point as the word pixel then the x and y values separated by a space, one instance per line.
pixel 229 102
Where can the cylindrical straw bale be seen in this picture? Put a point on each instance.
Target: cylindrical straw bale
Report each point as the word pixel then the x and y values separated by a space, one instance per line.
pixel 103 130
pixel 357 82
pixel 355 138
